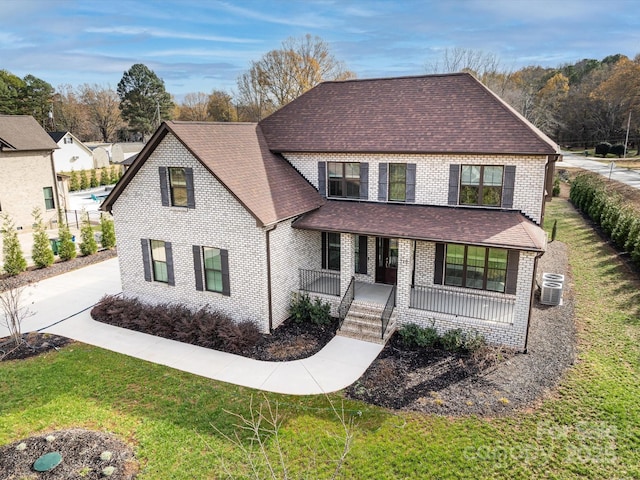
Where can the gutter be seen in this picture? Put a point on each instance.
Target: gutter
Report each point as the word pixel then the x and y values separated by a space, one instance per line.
pixel 269 295
pixel 533 291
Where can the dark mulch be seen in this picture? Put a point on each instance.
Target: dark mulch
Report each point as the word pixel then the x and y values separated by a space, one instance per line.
pixel 293 341
pixel 32 344
pixel 81 452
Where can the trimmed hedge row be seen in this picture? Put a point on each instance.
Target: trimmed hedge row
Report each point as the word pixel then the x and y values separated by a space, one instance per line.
pixel 607 209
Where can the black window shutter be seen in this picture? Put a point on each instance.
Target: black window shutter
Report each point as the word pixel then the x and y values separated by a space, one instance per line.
pixel 191 197
pixel 164 186
pixel 439 265
pixel 383 170
pixel 146 259
pixel 362 254
pixel 322 179
pixel 197 267
pixel 168 249
pixel 410 186
pixel 454 183
pixel 224 262
pixel 508 186
pixel 364 181
pixel 512 272
pixel 324 249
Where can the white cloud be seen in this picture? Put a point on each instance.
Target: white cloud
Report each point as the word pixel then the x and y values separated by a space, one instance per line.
pixel 160 33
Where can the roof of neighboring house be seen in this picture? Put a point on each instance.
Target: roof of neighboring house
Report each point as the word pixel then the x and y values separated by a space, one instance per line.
pixel 475 226
pixel 23 133
pixel 452 113
pixel 237 155
pixel 57 136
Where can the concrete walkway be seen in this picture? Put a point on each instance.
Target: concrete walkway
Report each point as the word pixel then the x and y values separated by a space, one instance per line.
pixel 623 175
pixel 61 305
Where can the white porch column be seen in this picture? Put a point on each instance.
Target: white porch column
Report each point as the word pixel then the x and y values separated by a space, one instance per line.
pixel 347 261
pixel 405 272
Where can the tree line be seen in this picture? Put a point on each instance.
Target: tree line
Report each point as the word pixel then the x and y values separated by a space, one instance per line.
pixel 578 105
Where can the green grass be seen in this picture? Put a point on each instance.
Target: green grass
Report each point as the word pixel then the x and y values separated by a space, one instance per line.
pixel 589 428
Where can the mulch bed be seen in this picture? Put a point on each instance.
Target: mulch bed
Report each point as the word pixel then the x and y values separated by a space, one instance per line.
pixel 32 344
pixel 81 452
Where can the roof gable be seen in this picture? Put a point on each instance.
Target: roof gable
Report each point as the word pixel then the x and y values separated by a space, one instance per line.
pixel 237 155
pixel 24 133
pixel 452 113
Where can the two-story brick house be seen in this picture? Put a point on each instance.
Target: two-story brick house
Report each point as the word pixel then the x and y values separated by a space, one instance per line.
pixel 415 199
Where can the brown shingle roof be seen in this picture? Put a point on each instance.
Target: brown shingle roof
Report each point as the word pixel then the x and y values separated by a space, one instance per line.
pixel 451 113
pixel 237 155
pixel 23 133
pixel 474 226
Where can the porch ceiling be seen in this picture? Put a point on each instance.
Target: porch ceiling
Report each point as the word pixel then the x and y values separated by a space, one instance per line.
pixel 474 226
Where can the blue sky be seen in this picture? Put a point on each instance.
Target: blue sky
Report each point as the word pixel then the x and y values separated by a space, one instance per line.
pixel 202 45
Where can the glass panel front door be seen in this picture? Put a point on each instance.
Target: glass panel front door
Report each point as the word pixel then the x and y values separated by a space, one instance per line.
pixel 387 260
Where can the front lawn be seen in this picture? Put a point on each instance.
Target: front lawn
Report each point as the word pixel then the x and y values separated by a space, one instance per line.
pixel 588 428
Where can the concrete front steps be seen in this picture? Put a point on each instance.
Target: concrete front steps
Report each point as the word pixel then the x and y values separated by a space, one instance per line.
pixel 363 323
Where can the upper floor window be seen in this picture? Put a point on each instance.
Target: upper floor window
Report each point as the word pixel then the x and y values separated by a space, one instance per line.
pixel 397 182
pixel 176 187
pixel 68 140
pixel 49 204
pixel 344 179
pixel 476 267
pixel 481 185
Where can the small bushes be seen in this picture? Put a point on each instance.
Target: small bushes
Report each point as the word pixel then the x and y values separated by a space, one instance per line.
pixel 603 148
pixel 302 309
pixel 622 224
pixel 457 340
pixel 204 327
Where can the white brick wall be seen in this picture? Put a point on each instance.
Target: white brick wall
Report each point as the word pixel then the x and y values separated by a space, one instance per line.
pixel 217 221
pixel 432 174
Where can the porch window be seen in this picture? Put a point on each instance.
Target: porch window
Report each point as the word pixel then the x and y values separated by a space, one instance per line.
pixel 397 182
pixel 361 255
pixel 344 179
pixel 331 251
pixel 481 268
pixel 481 185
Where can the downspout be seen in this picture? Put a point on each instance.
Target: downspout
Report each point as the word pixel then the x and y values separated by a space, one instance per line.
pixel 55 183
pixel 269 296
pixel 533 291
pixel 548 184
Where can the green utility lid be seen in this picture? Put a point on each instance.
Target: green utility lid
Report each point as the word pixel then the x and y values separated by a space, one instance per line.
pixel 47 462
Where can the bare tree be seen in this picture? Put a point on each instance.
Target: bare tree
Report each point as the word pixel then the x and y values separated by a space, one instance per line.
pixel 13 310
pixel 194 107
pixel 103 107
pixel 458 59
pixel 68 112
pixel 282 75
pixel 266 456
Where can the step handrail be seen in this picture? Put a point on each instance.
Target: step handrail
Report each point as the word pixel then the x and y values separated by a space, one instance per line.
pixel 345 303
pixel 388 310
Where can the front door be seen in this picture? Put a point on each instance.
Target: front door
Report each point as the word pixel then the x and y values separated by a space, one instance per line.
pixel 386 260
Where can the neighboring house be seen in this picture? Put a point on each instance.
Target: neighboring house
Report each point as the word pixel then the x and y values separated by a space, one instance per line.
pixel 28 177
pixel 72 154
pixel 105 154
pixel 415 199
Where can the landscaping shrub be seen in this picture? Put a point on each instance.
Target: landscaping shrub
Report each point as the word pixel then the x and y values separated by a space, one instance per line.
pixel 88 245
pixel 302 309
pixel 415 336
pixel 556 186
pixel 108 238
pixel 41 252
pixel 12 256
pixel 610 214
pixel 622 229
pixel 603 149
pixel 175 321
pixel 617 149
pixel 460 340
pixel 634 235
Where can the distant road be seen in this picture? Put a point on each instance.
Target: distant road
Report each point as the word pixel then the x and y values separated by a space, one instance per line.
pixel 624 175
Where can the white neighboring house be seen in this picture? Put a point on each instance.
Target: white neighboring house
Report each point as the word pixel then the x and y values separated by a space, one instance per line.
pixel 72 154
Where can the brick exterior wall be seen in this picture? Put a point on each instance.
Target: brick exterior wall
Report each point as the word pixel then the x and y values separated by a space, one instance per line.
pixel 217 221
pixel 432 174
pixel 24 175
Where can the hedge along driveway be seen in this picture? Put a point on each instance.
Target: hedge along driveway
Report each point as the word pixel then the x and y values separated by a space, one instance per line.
pixel 588 428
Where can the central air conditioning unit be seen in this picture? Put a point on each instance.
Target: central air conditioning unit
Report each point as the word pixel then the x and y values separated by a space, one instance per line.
pixel 553 277
pixel 551 293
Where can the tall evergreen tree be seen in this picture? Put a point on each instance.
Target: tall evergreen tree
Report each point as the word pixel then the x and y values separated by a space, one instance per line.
pixel 84 180
pixel 108 231
pixel 13 258
pixel 144 102
pixel 41 252
pixel 93 180
pixel 67 247
pixel 74 183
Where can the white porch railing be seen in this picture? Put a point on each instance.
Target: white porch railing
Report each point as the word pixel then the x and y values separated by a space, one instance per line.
pixel 463 304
